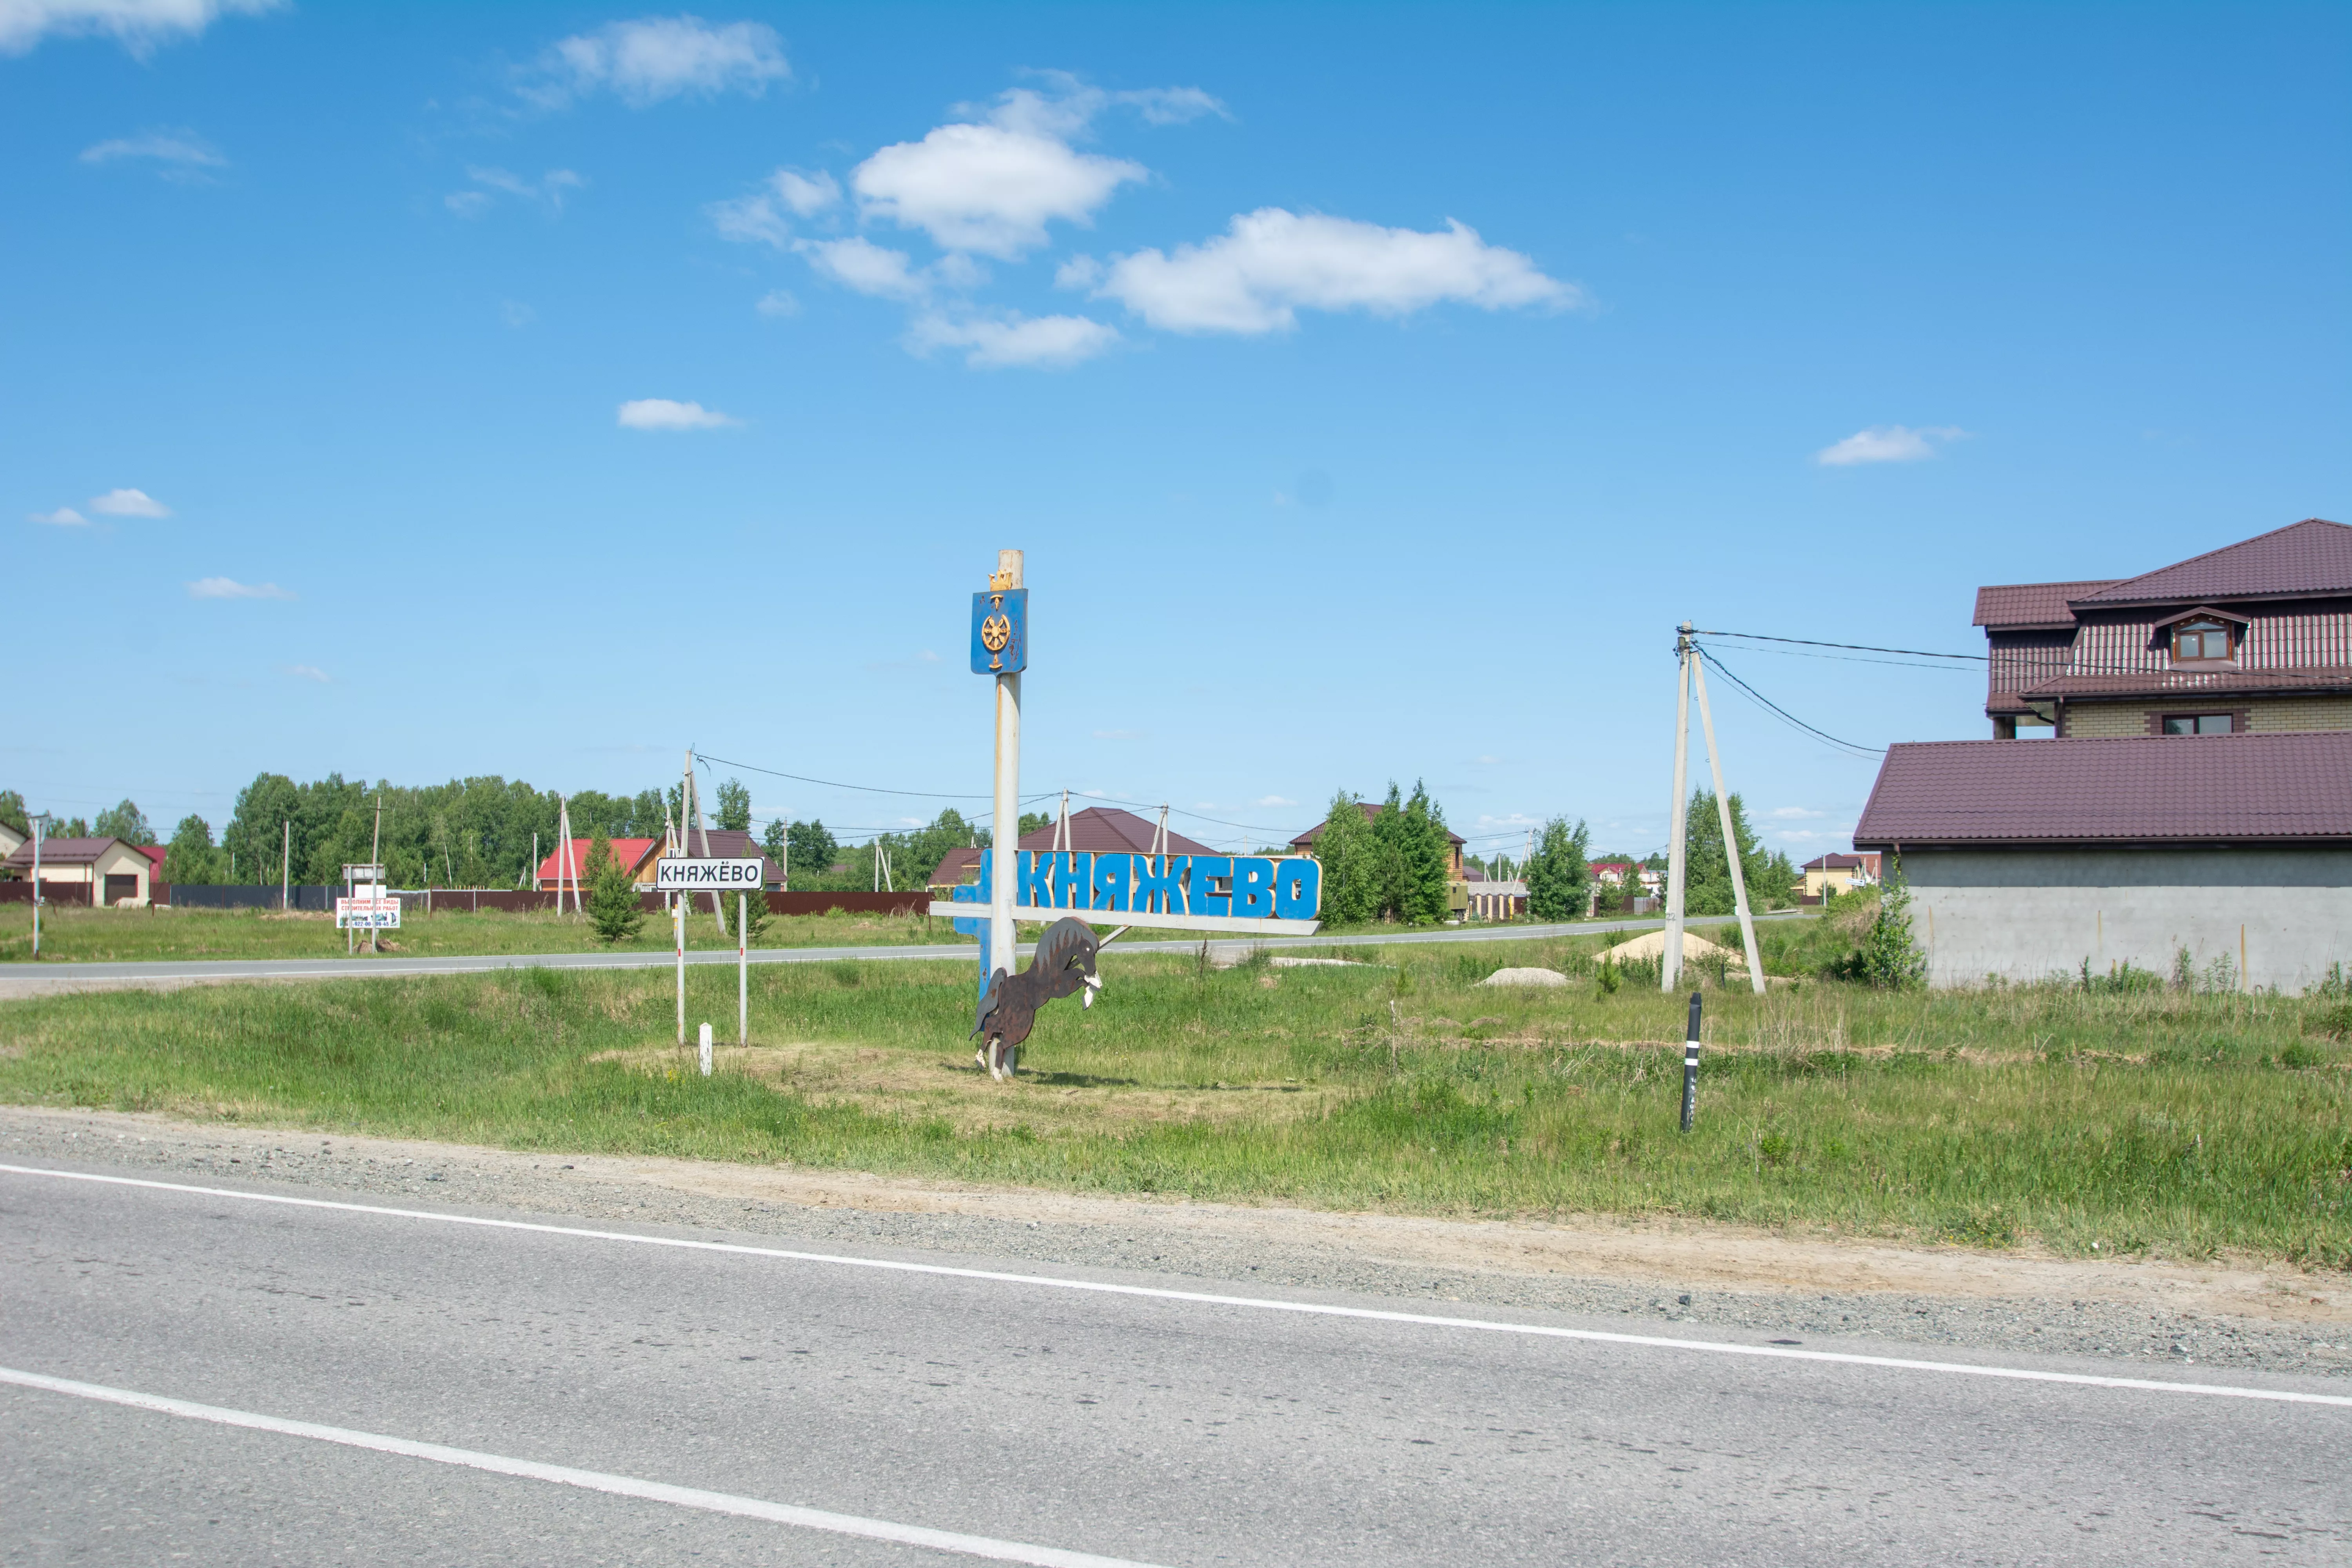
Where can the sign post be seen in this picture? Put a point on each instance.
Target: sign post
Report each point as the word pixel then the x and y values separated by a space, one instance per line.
pixel 744 968
pixel 1000 647
pixel 685 877
pixel 365 906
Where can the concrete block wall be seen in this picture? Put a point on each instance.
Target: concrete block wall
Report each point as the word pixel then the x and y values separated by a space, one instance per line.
pixel 2025 915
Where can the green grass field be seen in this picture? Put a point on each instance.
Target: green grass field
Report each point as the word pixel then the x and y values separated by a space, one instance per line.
pixel 2093 1122
pixel 120 935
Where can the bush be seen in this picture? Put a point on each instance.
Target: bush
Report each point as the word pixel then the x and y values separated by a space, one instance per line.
pixel 1889 956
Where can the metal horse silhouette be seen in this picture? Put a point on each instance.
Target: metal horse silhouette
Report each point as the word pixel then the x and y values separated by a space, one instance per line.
pixel 1064 964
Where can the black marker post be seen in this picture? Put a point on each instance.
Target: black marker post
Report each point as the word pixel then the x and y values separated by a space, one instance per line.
pixel 1690 1067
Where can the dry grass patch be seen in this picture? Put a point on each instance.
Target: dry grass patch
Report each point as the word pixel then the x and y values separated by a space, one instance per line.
pixel 923 1086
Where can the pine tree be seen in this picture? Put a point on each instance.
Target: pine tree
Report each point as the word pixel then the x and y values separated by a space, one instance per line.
pixel 1423 849
pixel 612 907
pixel 1706 884
pixel 734 813
pixel 1558 871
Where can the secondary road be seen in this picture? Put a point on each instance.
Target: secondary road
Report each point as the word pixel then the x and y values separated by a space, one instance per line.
pixel 222 1375
pixel 66 976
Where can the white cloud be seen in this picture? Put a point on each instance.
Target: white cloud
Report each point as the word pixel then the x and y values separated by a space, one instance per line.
pixel 1271 263
pixel 652 58
pixel 64 517
pixel 778 302
pixel 989 188
pixel 182 149
pixel 1043 342
pixel 1078 272
pixel 662 413
pixel 547 191
pixel 1794 813
pixel 1887 444
pixel 804 195
pixel 230 588
pixel 309 673
pixel 137 24
pixel 128 503
pixel 1273 799
pixel 859 263
pixel 759 218
pixel 515 313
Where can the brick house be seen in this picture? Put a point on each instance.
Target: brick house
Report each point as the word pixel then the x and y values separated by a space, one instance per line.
pixel 2253 638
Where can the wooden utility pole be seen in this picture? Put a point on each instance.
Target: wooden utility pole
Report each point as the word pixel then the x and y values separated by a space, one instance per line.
pixel 1670 961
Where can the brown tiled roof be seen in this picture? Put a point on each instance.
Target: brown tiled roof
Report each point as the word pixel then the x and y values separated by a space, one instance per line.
pixel 1836 862
pixel 957 865
pixel 1307 839
pixel 62 852
pixel 2020 605
pixel 2300 560
pixel 2143 789
pixel 2193 683
pixel 1101 829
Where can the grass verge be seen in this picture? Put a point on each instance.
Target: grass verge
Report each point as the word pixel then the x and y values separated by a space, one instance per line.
pixel 2095 1124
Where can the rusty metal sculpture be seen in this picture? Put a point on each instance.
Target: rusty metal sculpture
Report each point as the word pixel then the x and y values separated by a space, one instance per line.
pixel 1064 964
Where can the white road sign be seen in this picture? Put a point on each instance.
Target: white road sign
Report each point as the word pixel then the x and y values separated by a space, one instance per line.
pixel 367 914
pixel 682 876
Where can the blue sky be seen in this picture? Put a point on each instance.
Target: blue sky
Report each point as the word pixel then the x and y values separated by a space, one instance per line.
pixel 428 391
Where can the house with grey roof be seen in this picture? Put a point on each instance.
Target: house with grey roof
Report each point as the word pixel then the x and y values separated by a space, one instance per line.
pixel 2194 796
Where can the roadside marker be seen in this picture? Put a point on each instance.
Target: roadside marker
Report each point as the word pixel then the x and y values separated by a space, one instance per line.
pixel 1203 1298
pixel 1690 1067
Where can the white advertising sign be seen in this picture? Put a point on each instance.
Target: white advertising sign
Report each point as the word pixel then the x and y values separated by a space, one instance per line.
pixel 367 914
pixel 681 876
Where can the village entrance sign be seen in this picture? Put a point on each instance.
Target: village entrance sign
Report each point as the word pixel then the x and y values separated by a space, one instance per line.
pixel 1071 891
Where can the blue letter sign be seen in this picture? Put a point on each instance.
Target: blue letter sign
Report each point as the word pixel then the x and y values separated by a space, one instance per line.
pixel 1000 631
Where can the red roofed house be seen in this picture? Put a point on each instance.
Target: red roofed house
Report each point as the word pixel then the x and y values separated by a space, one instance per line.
pixel 2196 800
pixel 627 851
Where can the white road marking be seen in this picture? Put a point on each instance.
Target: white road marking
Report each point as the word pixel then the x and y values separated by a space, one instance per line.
pixel 590 1480
pixel 1255 1303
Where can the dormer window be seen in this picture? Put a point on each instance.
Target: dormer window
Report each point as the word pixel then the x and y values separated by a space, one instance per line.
pixel 2201 638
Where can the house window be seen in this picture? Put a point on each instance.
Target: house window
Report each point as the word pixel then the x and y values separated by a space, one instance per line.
pixel 2197 724
pixel 2200 639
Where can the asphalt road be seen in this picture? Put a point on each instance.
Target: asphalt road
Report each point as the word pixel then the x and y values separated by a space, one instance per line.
pixel 338 968
pixel 577 1380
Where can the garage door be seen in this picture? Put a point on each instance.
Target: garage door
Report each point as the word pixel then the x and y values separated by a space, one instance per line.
pixel 120 888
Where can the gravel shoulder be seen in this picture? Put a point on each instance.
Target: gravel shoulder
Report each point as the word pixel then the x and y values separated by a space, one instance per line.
pixel 2232 1314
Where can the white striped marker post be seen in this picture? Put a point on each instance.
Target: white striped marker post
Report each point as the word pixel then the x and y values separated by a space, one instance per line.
pixel 1690 1067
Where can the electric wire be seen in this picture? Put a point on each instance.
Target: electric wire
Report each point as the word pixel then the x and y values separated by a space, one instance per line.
pixel 1852 747
pixel 1851 646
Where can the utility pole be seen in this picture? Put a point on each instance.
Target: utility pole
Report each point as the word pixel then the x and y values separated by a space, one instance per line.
pixel 375 859
pixel 1730 841
pixel 286 867
pixel 1670 961
pixel 693 797
pixel 1003 848
pixel 40 826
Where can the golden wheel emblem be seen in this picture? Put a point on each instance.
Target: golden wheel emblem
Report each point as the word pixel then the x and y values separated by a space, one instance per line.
pixel 995 632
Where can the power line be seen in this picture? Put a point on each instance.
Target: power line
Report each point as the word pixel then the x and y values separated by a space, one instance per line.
pixel 1851 646
pixel 1850 746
